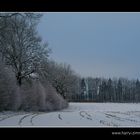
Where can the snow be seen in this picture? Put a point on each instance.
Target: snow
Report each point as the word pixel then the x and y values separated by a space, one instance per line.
pixel 77 115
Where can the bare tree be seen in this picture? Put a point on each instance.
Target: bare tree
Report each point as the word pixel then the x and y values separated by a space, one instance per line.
pixel 23 52
pixel 62 78
pixel 20 45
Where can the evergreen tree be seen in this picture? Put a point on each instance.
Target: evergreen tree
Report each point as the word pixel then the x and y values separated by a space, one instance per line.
pixel 119 91
pixel 137 93
pixel 110 90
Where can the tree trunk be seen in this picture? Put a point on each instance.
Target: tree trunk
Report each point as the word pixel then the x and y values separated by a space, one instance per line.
pixel 19 79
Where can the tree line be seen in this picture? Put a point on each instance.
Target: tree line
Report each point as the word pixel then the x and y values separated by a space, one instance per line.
pixel 29 80
pixel 109 90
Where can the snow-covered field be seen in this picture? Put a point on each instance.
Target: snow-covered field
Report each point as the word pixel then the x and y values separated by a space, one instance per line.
pixel 78 114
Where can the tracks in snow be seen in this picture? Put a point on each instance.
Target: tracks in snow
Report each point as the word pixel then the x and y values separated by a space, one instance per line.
pixel 107 123
pixel 26 117
pixel 59 116
pixel 79 116
pixel 29 118
pixel 84 114
pixel 21 120
pixel 121 118
pixel 7 116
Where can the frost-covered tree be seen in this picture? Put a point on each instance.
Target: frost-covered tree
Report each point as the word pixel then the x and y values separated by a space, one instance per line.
pixel 62 78
pixel 9 96
pixel 22 54
pixel 20 45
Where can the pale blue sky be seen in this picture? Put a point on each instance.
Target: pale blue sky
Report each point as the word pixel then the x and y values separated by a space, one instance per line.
pixel 95 44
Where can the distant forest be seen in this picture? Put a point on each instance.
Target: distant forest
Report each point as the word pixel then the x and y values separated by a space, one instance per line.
pixel 108 90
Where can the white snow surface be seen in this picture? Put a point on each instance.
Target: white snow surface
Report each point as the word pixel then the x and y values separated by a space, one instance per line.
pixel 77 115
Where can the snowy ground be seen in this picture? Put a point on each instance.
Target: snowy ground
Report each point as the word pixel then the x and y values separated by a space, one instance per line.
pixel 78 114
